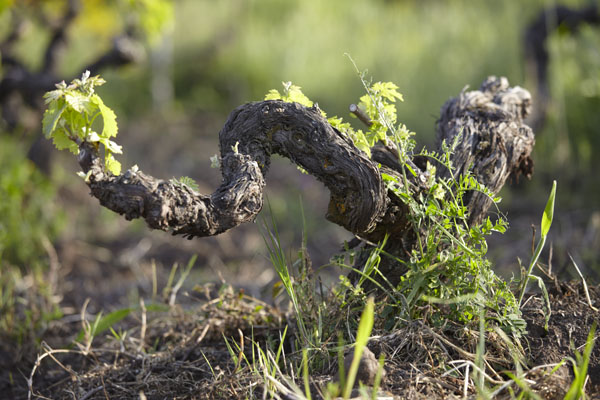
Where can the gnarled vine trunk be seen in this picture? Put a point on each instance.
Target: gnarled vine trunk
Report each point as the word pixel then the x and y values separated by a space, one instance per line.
pixel 494 144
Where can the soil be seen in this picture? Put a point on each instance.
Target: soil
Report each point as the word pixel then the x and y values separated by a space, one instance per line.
pixel 568 329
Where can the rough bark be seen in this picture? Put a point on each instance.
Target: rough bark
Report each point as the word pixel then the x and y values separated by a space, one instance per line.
pixel 252 133
pixel 494 143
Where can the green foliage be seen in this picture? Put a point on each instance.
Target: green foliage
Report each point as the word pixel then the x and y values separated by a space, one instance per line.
pixel 379 105
pixel 291 94
pixel 448 272
pixel 185 181
pixel 71 114
pixel 296 288
pixel 101 324
pixel 548 215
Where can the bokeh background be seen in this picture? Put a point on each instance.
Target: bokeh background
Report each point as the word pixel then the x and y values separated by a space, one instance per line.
pixel 195 60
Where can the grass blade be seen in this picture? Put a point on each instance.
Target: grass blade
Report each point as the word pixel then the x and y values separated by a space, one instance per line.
pixel 547 218
pixel 362 337
pixel 549 211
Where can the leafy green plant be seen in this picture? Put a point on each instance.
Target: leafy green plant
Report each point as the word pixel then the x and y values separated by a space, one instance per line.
pixel 264 364
pixel 71 119
pixel 448 276
pixel 547 217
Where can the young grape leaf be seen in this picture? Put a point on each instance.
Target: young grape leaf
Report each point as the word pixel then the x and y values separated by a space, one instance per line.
pixel 389 90
pixel 78 101
pixel 112 165
pixel 273 94
pixel 295 95
pixel 108 117
pixel 291 94
pixel 52 116
pixel 62 141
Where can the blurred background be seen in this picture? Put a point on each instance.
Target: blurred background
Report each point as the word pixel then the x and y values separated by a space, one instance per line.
pixel 175 70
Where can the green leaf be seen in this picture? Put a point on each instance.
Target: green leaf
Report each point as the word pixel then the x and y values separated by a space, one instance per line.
pixel 112 165
pixel 339 124
pixel 580 368
pixel 388 178
pixel 54 95
pixel 75 122
pixel 295 95
pixel 62 141
pixel 106 322
pixel 361 142
pixel 389 90
pixel 155 307
pixel 291 94
pixel 549 211
pixel 366 324
pixel 108 117
pixel 78 102
pixel 52 116
pixel 273 95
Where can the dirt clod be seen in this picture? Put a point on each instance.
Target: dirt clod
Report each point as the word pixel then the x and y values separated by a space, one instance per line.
pixel 367 367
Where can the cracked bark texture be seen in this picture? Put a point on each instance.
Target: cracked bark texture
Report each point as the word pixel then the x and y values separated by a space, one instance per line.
pixel 494 144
